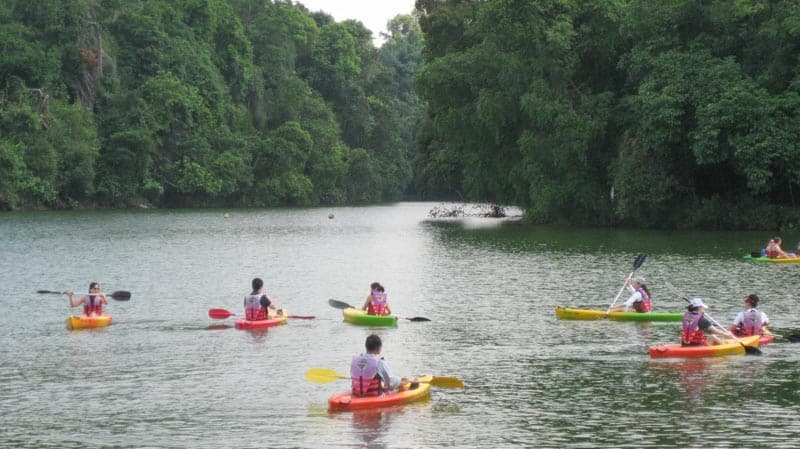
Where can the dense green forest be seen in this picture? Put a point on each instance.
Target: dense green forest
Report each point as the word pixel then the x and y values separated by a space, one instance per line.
pixel 668 113
pixel 671 113
pixel 120 103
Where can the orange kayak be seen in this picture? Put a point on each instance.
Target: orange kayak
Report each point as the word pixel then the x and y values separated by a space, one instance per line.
pixel 88 322
pixel 273 320
pixel 346 401
pixel 728 347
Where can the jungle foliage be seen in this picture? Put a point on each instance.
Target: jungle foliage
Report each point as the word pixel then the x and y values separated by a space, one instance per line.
pixel 121 103
pixel 671 113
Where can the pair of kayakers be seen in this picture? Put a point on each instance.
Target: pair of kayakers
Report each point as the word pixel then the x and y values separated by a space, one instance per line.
pixel 92 302
pixel 750 321
pixel 773 249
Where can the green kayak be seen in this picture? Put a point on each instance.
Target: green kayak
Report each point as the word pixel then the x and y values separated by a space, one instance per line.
pixel 587 314
pixel 764 259
pixel 358 316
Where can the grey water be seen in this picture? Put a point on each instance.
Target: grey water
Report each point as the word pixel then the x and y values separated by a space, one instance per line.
pixel 164 374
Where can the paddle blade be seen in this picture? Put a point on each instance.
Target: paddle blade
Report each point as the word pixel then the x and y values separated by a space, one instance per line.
pixel 639 261
pixel 50 292
pixel 751 350
pixel 121 295
pixel 219 314
pixel 302 317
pixel 447 382
pixel 794 338
pixel 323 375
pixel 416 318
pixel 339 304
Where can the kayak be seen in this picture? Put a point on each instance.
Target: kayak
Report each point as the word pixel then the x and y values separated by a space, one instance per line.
pixel 588 314
pixel 274 319
pixel 346 401
pixel 729 346
pixel 358 316
pixel 764 259
pixel 88 322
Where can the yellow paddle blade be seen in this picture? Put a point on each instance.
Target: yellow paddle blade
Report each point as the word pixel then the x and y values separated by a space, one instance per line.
pixel 323 375
pixel 447 382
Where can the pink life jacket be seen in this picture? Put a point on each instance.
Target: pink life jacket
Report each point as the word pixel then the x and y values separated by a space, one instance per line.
pixel 751 323
pixel 644 304
pixel 364 376
pixel 93 304
pixel 691 334
pixel 378 304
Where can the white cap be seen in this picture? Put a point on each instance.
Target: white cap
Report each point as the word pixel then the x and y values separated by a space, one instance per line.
pixel 697 302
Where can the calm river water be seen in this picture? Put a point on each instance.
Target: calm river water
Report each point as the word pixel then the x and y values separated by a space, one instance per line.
pixel 166 375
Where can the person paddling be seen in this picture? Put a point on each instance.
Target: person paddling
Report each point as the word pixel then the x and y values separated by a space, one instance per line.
pixel 695 326
pixel 639 300
pixel 370 374
pixel 749 321
pixel 257 303
pixel 376 302
pixel 92 303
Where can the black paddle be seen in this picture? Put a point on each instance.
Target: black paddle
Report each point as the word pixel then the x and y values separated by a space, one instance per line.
pixel 343 305
pixel 749 350
pixel 636 264
pixel 120 295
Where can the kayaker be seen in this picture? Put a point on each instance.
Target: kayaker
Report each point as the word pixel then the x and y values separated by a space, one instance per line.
pixel 749 321
pixel 92 303
pixel 774 250
pixel 369 372
pixel 257 303
pixel 376 303
pixel 639 300
pixel 695 326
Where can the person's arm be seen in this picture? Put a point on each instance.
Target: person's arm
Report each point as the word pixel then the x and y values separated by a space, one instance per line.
pixel 73 303
pixel 366 303
pixel 391 382
pixel 636 296
pixel 103 299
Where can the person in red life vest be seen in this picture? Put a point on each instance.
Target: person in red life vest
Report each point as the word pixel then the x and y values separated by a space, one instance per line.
pixel 92 303
pixel 774 250
pixel 749 321
pixel 376 303
pixel 695 326
pixel 639 300
pixel 257 303
pixel 369 372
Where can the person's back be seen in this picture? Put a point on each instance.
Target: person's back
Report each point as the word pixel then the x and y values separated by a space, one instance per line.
pixel 750 321
pixel 365 379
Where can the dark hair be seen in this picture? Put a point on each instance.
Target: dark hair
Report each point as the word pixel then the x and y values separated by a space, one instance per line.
pixel 380 288
pixel 752 299
pixel 374 285
pixel 92 285
pixel 257 283
pixel 373 343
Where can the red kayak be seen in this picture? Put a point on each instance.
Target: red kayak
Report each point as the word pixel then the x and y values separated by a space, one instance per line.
pixel 273 320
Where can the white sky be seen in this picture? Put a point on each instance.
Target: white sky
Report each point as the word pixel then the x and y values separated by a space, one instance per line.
pixel 372 13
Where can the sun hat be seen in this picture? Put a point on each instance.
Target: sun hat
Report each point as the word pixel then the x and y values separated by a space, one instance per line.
pixel 637 279
pixel 697 302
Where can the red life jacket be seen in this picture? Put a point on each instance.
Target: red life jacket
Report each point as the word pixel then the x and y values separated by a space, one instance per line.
pixel 93 304
pixel 751 324
pixel 644 305
pixel 691 334
pixel 378 304
pixel 772 253
pixel 364 376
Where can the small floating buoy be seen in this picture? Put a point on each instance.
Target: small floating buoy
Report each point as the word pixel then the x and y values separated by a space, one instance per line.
pixel 227 215
pixel 330 216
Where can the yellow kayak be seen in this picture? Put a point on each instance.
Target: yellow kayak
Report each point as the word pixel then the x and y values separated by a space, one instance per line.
pixel 88 322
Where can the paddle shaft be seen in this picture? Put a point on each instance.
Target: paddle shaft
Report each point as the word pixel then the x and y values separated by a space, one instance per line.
pixel 636 264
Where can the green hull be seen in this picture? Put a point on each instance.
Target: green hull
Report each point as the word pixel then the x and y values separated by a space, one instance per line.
pixel 768 260
pixel 587 314
pixel 358 316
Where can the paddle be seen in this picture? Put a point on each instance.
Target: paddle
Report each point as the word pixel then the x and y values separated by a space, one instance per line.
pixel 343 305
pixel 120 295
pixel 326 375
pixel 636 264
pixel 749 350
pixel 221 314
